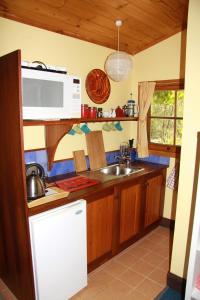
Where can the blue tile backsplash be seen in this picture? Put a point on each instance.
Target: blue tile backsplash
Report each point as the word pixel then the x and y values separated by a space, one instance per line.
pixel 67 166
pixel 155 159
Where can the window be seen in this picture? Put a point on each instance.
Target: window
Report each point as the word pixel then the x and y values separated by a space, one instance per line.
pixel 165 117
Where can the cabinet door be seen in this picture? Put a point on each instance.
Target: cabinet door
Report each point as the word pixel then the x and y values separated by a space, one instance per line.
pixel 153 200
pixel 130 212
pixel 99 226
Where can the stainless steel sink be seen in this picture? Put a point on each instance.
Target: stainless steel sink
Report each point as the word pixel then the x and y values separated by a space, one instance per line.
pixel 120 170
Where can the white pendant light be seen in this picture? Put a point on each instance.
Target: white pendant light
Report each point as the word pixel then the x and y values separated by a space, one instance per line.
pixel 118 64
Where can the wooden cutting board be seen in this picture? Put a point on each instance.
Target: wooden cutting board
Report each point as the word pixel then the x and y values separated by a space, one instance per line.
pixel 79 161
pixel 96 150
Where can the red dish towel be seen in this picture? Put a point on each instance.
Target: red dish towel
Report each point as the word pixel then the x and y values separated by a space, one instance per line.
pixel 75 183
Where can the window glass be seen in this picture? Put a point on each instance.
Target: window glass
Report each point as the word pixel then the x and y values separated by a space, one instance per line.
pixel 165 117
pixel 179 106
pixel 179 129
pixel 163 104
pixel 162 131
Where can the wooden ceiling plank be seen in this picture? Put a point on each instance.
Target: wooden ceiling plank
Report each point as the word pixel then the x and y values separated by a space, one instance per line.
pixel 145 22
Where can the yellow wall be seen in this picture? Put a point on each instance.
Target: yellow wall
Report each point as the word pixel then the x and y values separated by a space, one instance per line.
pixel 163 61
pixel 79 58
pixel 190 127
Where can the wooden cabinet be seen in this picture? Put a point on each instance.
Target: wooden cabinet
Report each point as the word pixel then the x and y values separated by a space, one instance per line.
pixel 153 208
pixel 15 255
pixel 100 226
pixel 130 211
pixel 121 215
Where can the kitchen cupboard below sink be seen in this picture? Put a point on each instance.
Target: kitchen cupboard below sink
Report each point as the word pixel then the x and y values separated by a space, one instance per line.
pixel 120 215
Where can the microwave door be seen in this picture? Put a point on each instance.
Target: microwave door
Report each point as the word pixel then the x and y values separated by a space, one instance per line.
pixel 43 95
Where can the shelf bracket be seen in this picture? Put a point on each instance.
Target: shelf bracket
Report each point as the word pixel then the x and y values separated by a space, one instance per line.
pixel 53 135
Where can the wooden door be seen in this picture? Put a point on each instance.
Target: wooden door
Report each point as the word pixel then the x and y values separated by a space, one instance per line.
pixel 153 200
pixel 100 226
pixel 130 212
pixel 15 256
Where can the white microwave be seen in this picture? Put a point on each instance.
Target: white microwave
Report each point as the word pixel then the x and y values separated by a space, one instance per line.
pixel 48 95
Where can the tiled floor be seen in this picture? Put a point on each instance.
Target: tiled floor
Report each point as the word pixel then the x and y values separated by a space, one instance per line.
pixel 137 273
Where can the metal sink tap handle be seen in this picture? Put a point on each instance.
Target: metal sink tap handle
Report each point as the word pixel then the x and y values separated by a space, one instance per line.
pixel 119 158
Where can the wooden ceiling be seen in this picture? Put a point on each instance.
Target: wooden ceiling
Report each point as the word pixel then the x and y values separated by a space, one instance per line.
pixel 145 22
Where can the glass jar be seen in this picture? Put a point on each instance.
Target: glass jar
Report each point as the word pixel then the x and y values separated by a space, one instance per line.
pixel 93 112
pixel 125 109
pixel 84 111
pixel 130 108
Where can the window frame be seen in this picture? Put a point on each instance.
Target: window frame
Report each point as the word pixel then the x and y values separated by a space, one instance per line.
pixel 164 149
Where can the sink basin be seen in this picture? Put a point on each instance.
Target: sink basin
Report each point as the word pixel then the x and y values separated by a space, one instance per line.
pixel 120 170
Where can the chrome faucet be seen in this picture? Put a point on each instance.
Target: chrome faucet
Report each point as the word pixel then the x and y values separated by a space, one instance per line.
pixel 124 159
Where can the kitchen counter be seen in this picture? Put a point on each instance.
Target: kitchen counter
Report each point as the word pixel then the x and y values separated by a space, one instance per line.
pixel 105 182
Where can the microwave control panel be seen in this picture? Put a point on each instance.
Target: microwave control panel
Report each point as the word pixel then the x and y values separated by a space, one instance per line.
pixel 76 97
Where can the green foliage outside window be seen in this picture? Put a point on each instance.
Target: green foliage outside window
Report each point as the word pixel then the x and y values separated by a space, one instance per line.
pixel 166 117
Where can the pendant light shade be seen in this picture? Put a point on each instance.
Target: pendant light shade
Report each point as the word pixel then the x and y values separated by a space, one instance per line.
pixel 118 64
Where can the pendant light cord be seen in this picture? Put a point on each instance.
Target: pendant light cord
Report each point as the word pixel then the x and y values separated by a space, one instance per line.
pixel 118 38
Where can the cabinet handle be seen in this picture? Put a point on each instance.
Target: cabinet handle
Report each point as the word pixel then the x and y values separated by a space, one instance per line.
pixel 78 212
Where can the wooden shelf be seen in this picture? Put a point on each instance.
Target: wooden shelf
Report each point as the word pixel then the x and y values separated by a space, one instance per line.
pixel 56 129
pixel 75 121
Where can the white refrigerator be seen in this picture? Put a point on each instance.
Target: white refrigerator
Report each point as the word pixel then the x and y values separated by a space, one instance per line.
pixel 59 254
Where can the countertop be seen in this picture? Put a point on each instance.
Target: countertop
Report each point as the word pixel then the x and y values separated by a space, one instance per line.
pixel 105 182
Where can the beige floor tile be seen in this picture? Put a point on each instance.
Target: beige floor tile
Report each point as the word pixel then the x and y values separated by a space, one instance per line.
pixel 88 292
pixel 161 249
pixel 2 285
pixel 115 269
pixel 8 295
pixel 162 230
pixel 143 267
pixel 101 279
pixel 153 259
pixel 76 297
pixel 159 276
pixel 126 259
pixel 116 290
pixel 157 238
pixel 134 295
pixel 138 251
pixel 131 278
pixel 147 244
pixel 164 251
pixel 149 288
pixel 165 265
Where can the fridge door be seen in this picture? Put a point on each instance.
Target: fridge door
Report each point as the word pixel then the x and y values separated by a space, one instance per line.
pixel 58 241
